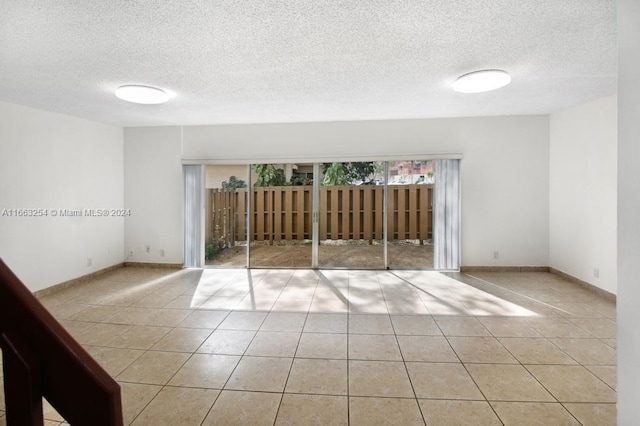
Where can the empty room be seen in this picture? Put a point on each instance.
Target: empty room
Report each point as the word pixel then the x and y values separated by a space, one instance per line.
pixel 350 213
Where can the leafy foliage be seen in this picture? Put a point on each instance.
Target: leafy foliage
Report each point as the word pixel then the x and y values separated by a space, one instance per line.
pixel 211 250
pixel 349 173
pixel 299 180
pixel 234 183
pixel 216 246
pixel 269 175
pixel 362 171
pixel 335 174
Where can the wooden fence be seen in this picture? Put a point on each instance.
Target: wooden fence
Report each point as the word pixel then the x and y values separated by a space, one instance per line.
pixel 284 213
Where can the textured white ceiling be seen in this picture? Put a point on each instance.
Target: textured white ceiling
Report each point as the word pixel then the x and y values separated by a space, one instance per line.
pixel 235 61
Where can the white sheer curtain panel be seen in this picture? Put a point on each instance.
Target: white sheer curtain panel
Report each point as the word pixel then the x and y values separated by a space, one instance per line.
pixel 194 215
pixel 446 254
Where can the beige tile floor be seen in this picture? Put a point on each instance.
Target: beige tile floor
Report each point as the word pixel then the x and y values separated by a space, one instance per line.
pixel 214 346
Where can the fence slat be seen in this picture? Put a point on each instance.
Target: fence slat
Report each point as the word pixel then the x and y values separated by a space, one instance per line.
pixel 429 204
pixel 378 212
pixel 223 212
pixel 308 214
pixel 269 220
pixel 367 214
pixel 402 209
pixel 392 215
pixel 229 220
pixel 423 224
pixel 356 231
pixel 259 213
pixel 300 212
pixel 323 213
pixel 414 213
pixel 345 206
pixel 334 211
pixel 240 234
pixel 277 214
pixel 288 213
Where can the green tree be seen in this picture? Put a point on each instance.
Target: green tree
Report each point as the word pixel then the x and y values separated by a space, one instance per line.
pixel 269 175
pixel 363 172
pixel 335 174
pixel 349 173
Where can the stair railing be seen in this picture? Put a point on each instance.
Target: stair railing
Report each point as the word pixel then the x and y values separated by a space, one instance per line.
pixel 40 358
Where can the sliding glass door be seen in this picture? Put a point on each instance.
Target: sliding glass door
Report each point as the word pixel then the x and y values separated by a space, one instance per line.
pixel 410 193
pixel 401 214
pixel 351 215
pixel 281 216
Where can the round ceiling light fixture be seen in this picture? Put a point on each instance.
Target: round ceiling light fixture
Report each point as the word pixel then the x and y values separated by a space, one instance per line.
pixel 142 94
pixel 481 81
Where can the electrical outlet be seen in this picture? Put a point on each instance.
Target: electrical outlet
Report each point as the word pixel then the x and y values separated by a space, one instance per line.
pixel 131 252
pixel 496 254
pixel 147 249
pixel 596 272
pixel 162 253
pixel 89 261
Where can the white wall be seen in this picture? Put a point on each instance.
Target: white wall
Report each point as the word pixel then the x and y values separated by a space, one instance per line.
pixel 52 161
pixel 153 192
pixel 505 172
pixel 628 212
pixel 583 192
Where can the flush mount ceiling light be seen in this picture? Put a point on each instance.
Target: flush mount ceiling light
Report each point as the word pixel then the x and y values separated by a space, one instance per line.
pixel 142 94
pixel 481 81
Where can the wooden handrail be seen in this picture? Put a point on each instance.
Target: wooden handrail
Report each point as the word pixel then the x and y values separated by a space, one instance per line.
pixel 40 358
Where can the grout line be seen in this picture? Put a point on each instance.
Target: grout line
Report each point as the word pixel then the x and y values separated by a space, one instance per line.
pixel 147 404
pixel 404 363
pixel 347 358
pixel 290 369
pixel 241 356
pixel 468 372
pixel 211 408
pixel 121 285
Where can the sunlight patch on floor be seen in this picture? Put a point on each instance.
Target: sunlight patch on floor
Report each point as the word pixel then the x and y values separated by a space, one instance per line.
pixel 347 291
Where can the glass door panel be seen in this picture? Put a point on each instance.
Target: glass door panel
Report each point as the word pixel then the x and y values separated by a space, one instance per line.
pixel 410 214
pixel 225 226
pixel 281 216
pixel 351 215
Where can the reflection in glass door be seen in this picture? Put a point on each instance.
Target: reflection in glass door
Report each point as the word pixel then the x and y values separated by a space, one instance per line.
pixel 410 214
pixel 351 215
